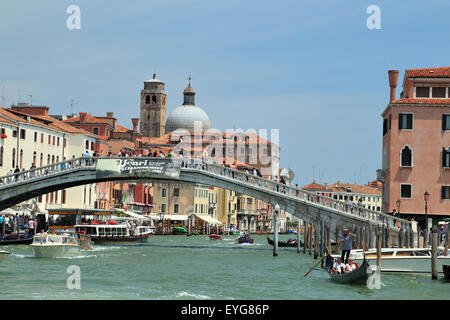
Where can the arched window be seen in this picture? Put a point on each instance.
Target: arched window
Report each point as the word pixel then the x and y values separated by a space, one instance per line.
pixel 406 157
pixel 147 99
pixel 154 99
pixel 41 160
pixel 34 158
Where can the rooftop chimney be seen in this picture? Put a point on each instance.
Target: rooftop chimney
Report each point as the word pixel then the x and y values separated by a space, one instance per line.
pixel 82 116
pixel 135 122
pixel 110 114
pixel 393 78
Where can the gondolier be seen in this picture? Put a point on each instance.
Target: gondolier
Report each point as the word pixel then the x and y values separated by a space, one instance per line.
pixel 346 241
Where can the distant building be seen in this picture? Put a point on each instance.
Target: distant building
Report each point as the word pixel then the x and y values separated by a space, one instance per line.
pixel 368 196
pixel 416 144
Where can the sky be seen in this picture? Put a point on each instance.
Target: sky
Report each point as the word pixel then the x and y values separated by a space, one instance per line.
pixel 312 69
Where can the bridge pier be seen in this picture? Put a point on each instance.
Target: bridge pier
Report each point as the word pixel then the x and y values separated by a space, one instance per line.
pixel 310 238
pixel 275 231
pixel 338 243
pixel 329 237
pixel 305 236
pixel 316 242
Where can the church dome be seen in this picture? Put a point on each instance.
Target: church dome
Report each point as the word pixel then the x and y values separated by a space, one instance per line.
pixel 185 116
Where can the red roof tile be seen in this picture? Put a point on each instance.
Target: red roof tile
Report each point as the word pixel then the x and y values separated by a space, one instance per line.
pixel 442 72
pixel 421 101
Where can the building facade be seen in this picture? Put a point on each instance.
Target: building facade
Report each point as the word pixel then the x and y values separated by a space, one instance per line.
pixel 416 144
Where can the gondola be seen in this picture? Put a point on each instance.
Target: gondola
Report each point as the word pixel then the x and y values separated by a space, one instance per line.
pixel 11 238
pixel 357 276
pixel 289 243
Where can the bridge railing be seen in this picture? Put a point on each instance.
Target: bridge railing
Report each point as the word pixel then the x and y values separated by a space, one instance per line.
pixel 274 186
pixel 371 216
pixel 48 170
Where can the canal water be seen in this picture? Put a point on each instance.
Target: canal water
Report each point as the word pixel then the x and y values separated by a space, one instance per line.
pixel 180 267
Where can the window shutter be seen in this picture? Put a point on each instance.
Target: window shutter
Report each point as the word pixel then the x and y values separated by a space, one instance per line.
pixel 409 121
pixel 443 192
pixel 444 126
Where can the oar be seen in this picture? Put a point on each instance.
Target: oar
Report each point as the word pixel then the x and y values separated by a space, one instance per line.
pixel 313 267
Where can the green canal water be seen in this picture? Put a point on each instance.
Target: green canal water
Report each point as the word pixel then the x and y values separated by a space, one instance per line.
pixel 180 267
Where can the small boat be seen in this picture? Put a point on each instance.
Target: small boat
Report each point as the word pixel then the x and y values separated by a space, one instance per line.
pixel 84 241
pixel 3 254
pixel 64 244
pixel 245 239
pixel 11 238
pixel 357 276
pixel 214 236
pixel 288 243
pixel 179 230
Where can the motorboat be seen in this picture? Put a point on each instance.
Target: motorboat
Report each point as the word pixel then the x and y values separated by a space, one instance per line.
pixel 3 254
pixel 245 238
pixel 110 233
pixel 55 245
pixel 409 260
pixel 214 236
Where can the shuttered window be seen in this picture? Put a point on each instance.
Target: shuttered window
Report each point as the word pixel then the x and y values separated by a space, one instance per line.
pixel 405 190
pixel 446 158
pixel 438 92
pixel 405 121
pixel 446 122
pixel 445 192
pixel 422 92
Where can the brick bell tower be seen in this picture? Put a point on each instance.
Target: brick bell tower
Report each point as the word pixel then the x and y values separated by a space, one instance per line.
pixel 153 108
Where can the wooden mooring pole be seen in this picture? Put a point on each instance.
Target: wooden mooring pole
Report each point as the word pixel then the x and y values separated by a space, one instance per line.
pixel 305 237
pixel 316 242
pixel 329 238
pixel 310 238
pixel 434 245
pixel 298 236
pixel 338 243
pixel 379 243
pixel 275 234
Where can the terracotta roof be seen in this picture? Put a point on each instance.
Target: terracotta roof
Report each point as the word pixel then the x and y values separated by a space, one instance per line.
pixel 87 119
pixel 313 186
pixel 120 128
pixel 442 72
pixel 421 101
pixel 354 188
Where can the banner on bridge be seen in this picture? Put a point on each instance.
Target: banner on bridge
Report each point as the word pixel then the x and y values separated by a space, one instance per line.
pixel 138 168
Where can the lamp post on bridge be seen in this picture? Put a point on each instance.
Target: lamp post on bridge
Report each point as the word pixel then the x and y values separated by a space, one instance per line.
pixel 398 208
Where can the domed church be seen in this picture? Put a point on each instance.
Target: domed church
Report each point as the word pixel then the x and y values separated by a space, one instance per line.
pixel 153 111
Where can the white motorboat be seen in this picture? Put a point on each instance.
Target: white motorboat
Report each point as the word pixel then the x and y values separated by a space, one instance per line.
pixel 412 260
pixel 111 233
pixel 56 245
pixel 3 255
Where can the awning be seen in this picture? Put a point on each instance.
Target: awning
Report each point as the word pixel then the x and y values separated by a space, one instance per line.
pixel 175 217
pixel 134 215
pixel 208 219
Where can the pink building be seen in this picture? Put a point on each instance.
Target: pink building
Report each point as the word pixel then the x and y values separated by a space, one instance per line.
pixel 416 145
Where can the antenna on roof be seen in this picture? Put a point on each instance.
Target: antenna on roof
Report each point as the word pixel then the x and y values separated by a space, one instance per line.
pixel 71 107
pixel 3 96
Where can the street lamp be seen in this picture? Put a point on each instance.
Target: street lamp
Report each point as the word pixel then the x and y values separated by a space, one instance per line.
pixel 426 196
pixel 398 208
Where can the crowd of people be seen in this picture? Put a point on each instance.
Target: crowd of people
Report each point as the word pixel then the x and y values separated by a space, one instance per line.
pixel 10 223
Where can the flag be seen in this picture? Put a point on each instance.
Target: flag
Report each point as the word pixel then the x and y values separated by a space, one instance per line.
pixel 124 196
